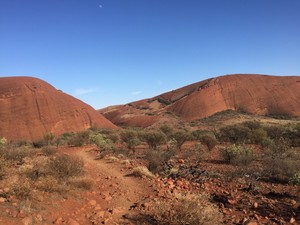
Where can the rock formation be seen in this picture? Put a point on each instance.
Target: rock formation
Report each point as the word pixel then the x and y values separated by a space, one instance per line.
pixel 30 107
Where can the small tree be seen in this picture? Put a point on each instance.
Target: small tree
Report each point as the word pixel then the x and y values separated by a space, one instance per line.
pixel 209 140
pixel 180 137
pixel 154 138
pixel 131 138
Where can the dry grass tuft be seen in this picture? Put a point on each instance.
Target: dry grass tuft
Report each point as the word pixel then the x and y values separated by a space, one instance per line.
pixel 142 171
pixel 190 209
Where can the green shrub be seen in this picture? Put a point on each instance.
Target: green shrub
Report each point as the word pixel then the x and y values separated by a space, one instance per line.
pixel 191 209
pixel 3 141
pixel 283 170
pixel 235 134
pixel 154 138
pixel 49 137
pixel 209 140
pixel 64 167
pixel 102 142
pixel 238 154
pixel 180 137
pixel 295 179
pixel 80 139
pixel 131 138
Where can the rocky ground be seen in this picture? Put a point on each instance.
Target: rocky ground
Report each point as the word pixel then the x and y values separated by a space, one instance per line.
pixel 118 197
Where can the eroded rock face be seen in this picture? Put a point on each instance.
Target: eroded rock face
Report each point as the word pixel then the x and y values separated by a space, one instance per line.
pixel 30 107
pixel 255 94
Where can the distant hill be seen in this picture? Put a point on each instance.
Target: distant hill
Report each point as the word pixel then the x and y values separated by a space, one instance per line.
pixel 255 94
pixel 30 107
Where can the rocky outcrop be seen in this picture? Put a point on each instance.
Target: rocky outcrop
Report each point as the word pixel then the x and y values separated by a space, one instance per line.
pixel 255 94
pixel 30 107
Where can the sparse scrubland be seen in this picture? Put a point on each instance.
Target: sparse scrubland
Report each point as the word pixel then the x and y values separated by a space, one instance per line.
pixel 232 174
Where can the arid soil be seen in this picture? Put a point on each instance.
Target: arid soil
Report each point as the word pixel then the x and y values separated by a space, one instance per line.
pixel 117 197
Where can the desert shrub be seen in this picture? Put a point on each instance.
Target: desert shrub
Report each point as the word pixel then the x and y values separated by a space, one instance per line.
pixel 102 142
pixel 252 125
pixel 81 183
pixel 180 137
pixel 278 148
pixel 39 143
pixel 64 167
pixel 235 134
pixel 15 153
pixel 275 132
pixel 258 136
pixel 282 170
pixel 109 133
pixel 154 138
pixel 3 167
pixel 191 209
pixel 209 140
pixel 295 179
pixel 167 130
pixel 49 184
pixel 281 163
pixel 79 139
pixel 3 141
pixel 157 159
pixel 49 137
pixel 131 138
pixel 49 150
pixel 22 189
pixel 142 171
pixel 238 154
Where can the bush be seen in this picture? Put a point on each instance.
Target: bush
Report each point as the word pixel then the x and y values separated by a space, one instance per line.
pixel 3 167
pixel 49 184
pixel 80 139
pixel 49 150
pixel 22 189
pixel 180 137
pixel 142 171
pixel 238 154
pixel 154 138
pixel 48 137
pixel 235 134
pixel 102 142
pixel 3 141
pixel 131 138
pixel 157 159
pixel 295 179
pixel 283 170
pixel 64 167
pixel 209 140
pixel 191 209
pixel 15 154
pixel 39 144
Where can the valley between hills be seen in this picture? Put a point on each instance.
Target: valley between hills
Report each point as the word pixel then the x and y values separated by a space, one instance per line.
pixel 221 151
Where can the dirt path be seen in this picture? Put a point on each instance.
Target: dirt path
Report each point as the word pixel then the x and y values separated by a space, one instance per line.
pixel 112 198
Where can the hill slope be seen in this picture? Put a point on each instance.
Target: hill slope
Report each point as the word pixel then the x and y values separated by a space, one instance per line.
pixel 30 107
pixel 255 94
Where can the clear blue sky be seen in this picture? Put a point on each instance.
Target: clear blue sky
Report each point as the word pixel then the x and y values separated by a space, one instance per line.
pixel 108 52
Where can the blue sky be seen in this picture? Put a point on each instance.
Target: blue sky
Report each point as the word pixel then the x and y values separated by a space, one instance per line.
pixel 108 52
